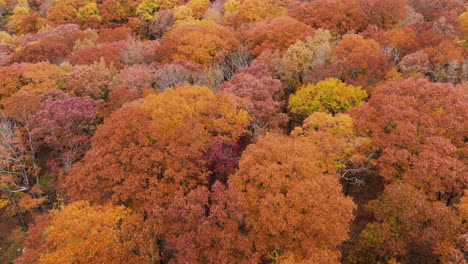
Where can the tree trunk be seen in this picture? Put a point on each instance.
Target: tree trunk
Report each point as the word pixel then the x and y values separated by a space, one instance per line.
pixel 18 211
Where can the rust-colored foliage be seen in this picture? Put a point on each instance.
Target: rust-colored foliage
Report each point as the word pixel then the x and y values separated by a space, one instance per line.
pixel 205 227
pixel 352 15
pixel 89 80
pixel 10 80
pixel 144 153
pixel 117 12
pixel 62 12
pixel 6 50
pixel 110 52
pixel 447 62
pixel 410 228
pixel 81 233
pixel 203 44
pixel 234 129
pixel 30 81
pixel 385 14
pixel 361 60
pixel 398 42
pixel 113 34
pixel 50 49
pixel 418 129
pixel 136 77
pixel 294 209
pixel 432 9
pixel 337 15
pixel 131 84
pixel 277 33
pixel 35 240
pixel 415 62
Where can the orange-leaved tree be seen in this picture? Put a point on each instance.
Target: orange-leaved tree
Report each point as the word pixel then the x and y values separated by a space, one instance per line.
pixel 145 152
pixel 82 233
pixel 207 227
pixel 418 131
pixel 410 228
pixel 295 207
pixel 277 33
pixel 200 43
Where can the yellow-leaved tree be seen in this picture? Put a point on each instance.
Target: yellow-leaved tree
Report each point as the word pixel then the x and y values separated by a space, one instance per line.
pixel 330 96
pixel 82 233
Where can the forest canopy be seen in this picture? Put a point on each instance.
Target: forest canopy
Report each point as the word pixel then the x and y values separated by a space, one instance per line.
pixel 234 131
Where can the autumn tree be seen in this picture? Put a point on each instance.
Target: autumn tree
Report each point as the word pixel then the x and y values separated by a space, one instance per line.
pixel 398 42
pixel 6 50
pixel 203 44
pixel 109 52
pixel 464 26
pixel 343 147
pixel 305 55
pixel 22 105
pixel 345 16
pixel 417 129
pixel 30 82
pixel 142 155
pixel 447 61
pixel 65 124
pixel 10 80
pixel 427 36
pixel 336 15
pixel 329 96
pixel 86 13
pixel 222 158
pixel 353 43
pixel 119 96
pixel 432 9
pixel 90 80
pixel 113 34
pixel 176 72
pixel 257 84
pixel 20 12
pixel 107 233
pixel 253 10
pixel 135 77
pixel 206 227
pixel 385 14
pixel 19 171
pixel 277 33
pixel 117 12
pixel 198 7
pixel 417 62
pixel 161 22
pixel 408 228
pixel 50 49
pixel 135 51
pixel 361 61
pixel 129 84
pixel 295 210
pixel 463 213
pixel 147 8
pixel 184 16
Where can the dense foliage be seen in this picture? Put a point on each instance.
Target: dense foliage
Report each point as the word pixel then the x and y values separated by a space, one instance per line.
pixel 233 131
